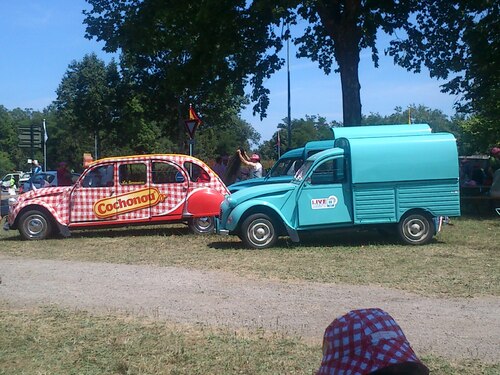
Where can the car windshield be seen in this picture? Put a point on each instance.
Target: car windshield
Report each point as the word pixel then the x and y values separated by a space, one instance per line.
pixel 286 167
pixel 302 172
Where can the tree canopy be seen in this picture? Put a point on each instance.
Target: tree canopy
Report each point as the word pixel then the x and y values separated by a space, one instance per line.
pixel 184 50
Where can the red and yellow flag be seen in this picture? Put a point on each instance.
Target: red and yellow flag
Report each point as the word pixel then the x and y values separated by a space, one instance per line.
pixel 193 115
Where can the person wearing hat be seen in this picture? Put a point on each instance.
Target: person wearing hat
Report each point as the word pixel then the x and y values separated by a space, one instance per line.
pixel 368 342
pixel 253 162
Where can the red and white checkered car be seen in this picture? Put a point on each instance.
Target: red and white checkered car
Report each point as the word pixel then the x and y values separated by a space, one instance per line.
pixel 142 189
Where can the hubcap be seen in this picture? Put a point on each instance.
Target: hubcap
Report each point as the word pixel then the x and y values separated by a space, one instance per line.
pixel 260 233
pixel 416 229
pixel 35 225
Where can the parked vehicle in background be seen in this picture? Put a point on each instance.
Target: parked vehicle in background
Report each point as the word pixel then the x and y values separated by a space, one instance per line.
pixel 286 166
pixel 120 191
pixel 42 180
pixel 407 182
pixel 5 182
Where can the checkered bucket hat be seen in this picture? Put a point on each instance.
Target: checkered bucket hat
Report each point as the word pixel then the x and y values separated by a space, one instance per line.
pixel 363 341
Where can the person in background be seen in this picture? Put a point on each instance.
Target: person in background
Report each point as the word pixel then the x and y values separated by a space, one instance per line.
pixel 253 162
pixel 220 167
pixel 368 342
pixel 35 168
pixel 493 162
pixel 12 186
pixel 63 175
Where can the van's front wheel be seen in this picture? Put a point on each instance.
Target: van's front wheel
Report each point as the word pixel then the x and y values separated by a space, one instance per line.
pixel 416 229
pixel 258 232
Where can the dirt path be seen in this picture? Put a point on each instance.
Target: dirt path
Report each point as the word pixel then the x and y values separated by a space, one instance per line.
pixel 452 328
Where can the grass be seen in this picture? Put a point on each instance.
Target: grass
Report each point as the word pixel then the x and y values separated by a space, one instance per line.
pixel 54 341
pixel 463 260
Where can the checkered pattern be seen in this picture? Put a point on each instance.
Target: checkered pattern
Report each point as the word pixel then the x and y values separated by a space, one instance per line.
pixel 363 341
pixel 75 204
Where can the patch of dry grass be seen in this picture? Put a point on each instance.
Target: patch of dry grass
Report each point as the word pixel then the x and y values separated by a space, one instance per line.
pixel 463 261
pixel 53 341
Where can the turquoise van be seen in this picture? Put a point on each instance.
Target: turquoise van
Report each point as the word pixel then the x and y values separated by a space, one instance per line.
pixel 286 166
pixel 408 182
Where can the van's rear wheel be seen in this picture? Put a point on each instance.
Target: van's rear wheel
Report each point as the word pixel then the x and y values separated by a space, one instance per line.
pixel 416 229
pixel 35 225
pixel 258 232
pixel 202 225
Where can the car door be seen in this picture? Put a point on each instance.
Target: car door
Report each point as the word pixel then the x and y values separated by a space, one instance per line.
pixel 93 198
pixel 324 198
pixel 133 195
pixel 170 181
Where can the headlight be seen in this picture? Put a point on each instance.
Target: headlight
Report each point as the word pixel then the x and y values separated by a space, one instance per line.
pixel 12 201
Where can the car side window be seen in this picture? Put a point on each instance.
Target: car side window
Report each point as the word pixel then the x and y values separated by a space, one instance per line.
pixel 133 174
pixel 165 173
pixel 329 172
pixel 101 176
pixel 196 173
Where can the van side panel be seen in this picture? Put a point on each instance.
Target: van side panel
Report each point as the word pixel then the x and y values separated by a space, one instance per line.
pixel 388 202
pixel 374 203
pixel 409 158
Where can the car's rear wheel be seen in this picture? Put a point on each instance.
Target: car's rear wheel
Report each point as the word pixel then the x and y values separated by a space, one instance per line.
pixel 416 229
pixel 35 225
pixel 202 225
pixel 258 232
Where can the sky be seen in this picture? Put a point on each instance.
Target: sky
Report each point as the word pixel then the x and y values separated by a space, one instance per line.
pixel 40 38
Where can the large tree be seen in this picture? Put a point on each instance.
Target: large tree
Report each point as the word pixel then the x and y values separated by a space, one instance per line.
pixel 184 49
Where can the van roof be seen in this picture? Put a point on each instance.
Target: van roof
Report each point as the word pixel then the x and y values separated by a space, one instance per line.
pixel 381 130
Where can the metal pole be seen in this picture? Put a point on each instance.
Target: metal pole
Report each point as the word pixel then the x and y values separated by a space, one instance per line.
pixel 95 144
pixel 44 148
pixel 288 76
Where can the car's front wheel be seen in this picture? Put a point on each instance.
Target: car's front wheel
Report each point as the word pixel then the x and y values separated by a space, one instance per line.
pixel 258 231
pixel 202 225
pixel 35 225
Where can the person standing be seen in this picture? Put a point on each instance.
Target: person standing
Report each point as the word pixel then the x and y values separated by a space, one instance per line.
pixel 63 175
pixel 36 168
pixel 220 167
pixel 253 162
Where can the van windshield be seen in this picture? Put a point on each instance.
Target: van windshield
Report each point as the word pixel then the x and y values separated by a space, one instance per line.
pixel 299 176
pixel 286 167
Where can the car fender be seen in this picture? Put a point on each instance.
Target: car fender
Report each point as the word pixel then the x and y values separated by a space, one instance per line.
pixel 203 202
pixel 243 210
pixel 35 204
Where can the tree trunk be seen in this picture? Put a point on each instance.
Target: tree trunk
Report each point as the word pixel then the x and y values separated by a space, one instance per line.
pixel 348 60
pixel 340 18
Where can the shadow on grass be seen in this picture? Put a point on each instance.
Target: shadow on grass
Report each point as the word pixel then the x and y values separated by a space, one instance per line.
pixel 140 231
pixel 130 232
pixel 335 238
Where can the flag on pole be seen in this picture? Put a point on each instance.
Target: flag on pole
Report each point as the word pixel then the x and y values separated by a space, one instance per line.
pixel 45 135
pixel 193 115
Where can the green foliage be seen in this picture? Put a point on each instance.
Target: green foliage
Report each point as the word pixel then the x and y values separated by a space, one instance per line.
pixel 478 135
pixel 457 38
pixel 302 131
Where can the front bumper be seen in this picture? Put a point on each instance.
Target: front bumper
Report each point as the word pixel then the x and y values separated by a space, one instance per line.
pixel 218 229
pixel 6 225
